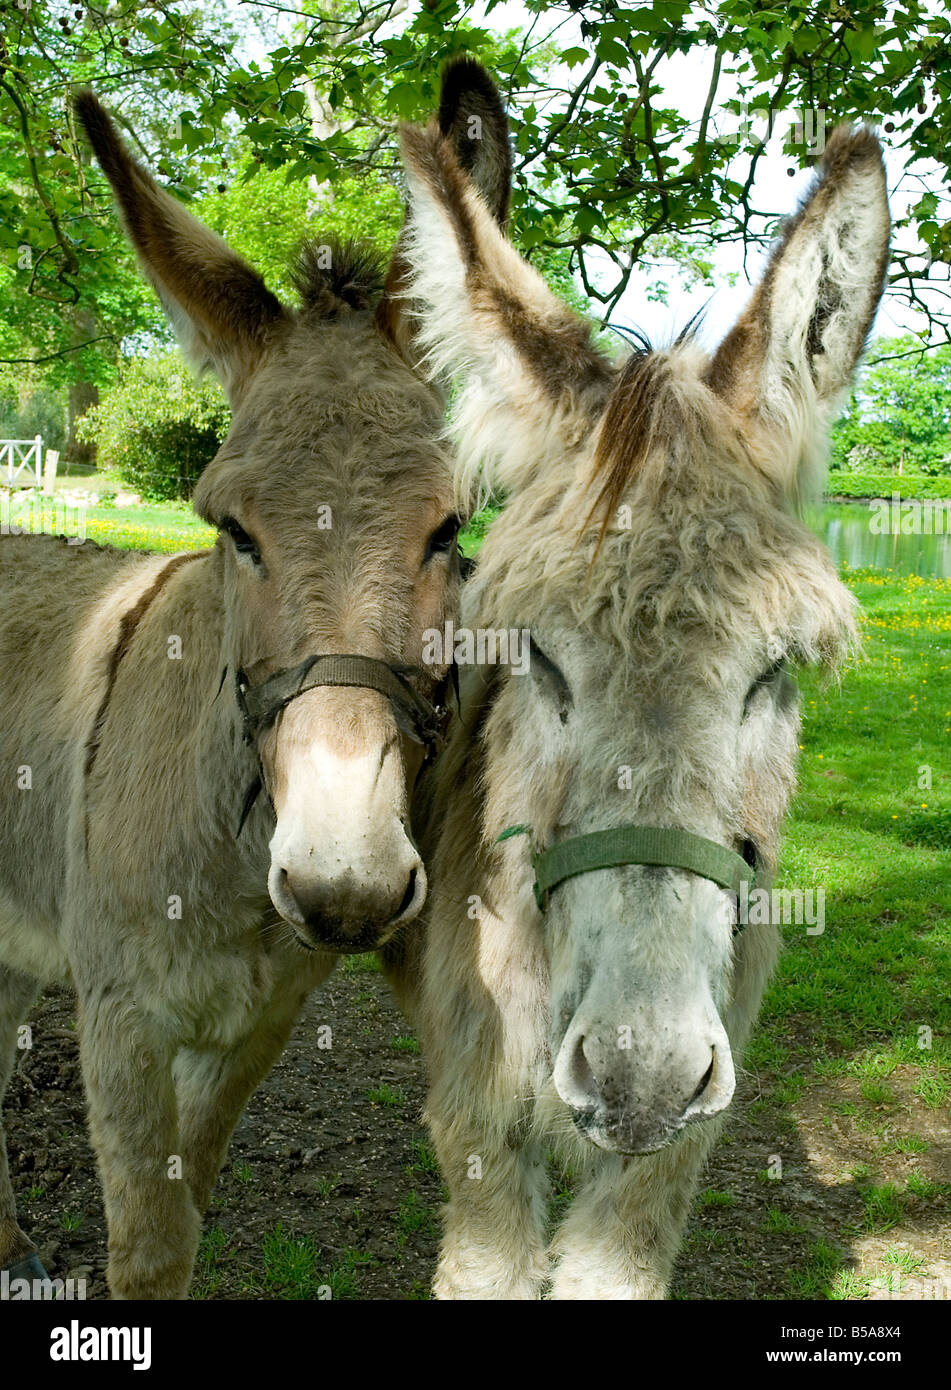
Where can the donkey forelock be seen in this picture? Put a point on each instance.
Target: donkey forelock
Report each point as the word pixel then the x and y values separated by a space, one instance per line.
pixel 336 275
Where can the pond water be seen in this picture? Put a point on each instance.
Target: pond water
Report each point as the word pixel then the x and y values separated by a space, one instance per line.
pixel 846 528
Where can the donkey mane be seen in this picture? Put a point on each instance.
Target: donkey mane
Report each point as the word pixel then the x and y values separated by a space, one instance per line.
pixel 353 279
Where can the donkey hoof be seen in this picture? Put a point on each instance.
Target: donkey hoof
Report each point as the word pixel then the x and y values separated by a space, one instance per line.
pixel 27 1268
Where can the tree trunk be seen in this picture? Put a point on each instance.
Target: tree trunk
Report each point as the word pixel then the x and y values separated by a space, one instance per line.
pixel 82 393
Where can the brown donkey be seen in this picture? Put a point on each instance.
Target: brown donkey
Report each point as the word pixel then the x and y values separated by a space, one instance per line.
pixel 637 776
pixel 147 699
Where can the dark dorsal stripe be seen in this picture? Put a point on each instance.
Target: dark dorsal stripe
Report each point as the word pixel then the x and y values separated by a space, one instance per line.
pixel 127 627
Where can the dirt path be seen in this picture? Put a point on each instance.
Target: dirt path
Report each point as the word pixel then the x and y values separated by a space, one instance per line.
pixel 330 1183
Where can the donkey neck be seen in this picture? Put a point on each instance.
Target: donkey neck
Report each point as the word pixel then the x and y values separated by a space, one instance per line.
pixel 166 769
pixel 224 766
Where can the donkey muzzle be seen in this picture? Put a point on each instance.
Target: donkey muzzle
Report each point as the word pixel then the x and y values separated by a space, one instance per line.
pixel 633 1095
pixel 346 914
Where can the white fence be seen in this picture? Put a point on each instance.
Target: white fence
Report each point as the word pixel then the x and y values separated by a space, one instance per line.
pixel 21 464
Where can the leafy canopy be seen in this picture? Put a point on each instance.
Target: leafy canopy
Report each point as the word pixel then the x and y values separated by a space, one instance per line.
pixel 272 117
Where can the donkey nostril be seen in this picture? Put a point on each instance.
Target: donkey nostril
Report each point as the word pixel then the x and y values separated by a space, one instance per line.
pixel 409 895
pixel 577 1083
pixel 706 1078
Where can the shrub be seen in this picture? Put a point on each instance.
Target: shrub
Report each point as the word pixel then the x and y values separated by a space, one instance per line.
pixel 158 427
pixel 899 412
pixel 917 485
pixel 40 411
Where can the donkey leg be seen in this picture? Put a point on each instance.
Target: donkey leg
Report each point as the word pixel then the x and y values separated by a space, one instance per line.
pixel 17 993
pixel 493 1244
pixel 152 1220
pixel 214 1086
pixel 623 1231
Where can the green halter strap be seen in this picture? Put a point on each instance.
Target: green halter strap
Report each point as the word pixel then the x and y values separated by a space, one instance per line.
pixel 635 844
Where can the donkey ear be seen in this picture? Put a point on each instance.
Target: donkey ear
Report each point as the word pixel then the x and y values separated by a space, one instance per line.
pixel 531 384
pixel 472 120
pixel 786 364
pixel 219 308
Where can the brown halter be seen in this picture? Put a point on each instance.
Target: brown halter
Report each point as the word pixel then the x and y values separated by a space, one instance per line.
pixel 261 704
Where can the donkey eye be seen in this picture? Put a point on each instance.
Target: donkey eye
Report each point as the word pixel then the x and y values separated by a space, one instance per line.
pixel 443 538
pixel 243 543
pixel 767 677
pixel 551 676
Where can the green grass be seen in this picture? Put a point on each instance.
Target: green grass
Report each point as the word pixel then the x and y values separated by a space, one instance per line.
pixel 324 1187
pixel 425 1160
pixel 883 1207
pixel 825 1274
pixel 292 1268
pixel 167 526
pixel 385 1094
pixel 872 989
pixel 709 1197
pixel 212 1252
pixel 884 484
pixel 471 538
pixel 903 1261
pixel 290 1265
pixel 780 1223
pixel 287 1267
pixel 910 1144
pixel 414 1217
pixel 934 1089
pixel 877 1093
pixel 361 965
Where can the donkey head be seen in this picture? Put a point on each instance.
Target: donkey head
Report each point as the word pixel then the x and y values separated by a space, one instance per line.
pixel 650 545
pixel 332 494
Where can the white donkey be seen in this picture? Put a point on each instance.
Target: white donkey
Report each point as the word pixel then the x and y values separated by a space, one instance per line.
pixel 638 776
